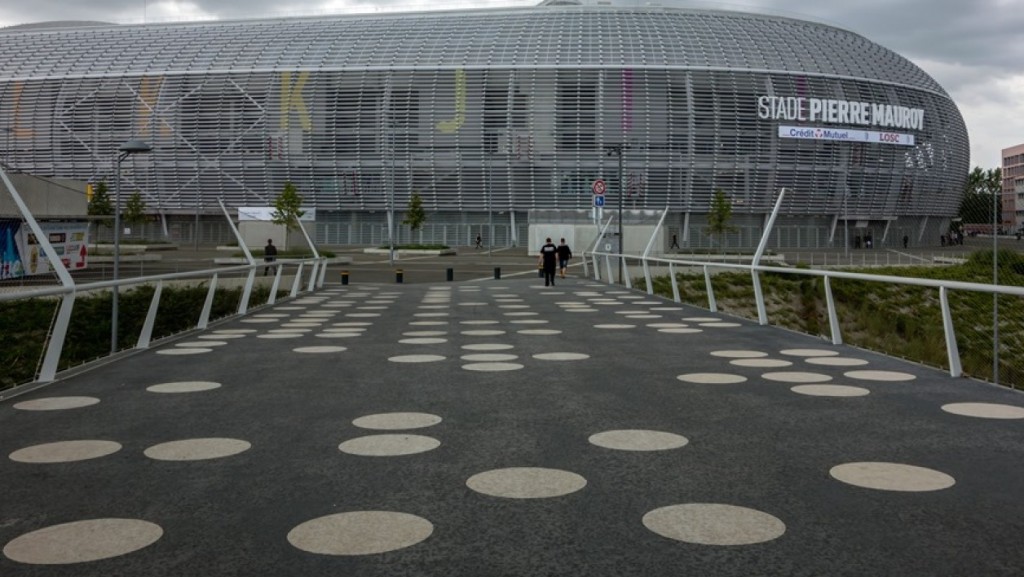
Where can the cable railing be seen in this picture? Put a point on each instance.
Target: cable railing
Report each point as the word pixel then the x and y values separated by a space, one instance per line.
pixel 308 276
pixel 909 308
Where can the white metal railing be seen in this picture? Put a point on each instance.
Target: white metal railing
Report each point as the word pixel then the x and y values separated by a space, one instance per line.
pixel 610 260
pixel 58 329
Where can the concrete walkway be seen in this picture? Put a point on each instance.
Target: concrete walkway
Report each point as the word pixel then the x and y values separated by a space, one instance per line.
pixel 500 428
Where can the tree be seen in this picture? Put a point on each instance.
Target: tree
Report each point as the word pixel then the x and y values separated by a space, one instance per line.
pixel 135 210
pixel 719 215
pixel 287 207
pixel 981 196
pixel 415 216
pixel 100 205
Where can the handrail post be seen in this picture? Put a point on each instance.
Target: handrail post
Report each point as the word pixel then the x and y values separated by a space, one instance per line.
pixel 273 286
pixel 608 268
pixel 243 304
pixel 57 336
pixel 296 283
pixel 675 283
pixel 147 327
pixel 625 272
pixel 955 370
pixel 762 314
pixel 712 304
pixel 323 274
pixel 833 317
pixel 204 317
pixel 597 269
pixel 313 276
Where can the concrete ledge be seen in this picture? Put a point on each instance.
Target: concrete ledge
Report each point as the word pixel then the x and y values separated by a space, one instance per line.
pixel 139 247
pixel 409 251
pixel 236 260
pixel 136 257
pixel 742 258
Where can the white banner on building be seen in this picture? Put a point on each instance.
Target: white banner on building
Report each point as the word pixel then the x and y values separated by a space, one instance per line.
pixel 267 213
pixel 846 135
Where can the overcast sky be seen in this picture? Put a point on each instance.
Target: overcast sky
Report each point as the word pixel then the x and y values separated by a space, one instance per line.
pixel 973 48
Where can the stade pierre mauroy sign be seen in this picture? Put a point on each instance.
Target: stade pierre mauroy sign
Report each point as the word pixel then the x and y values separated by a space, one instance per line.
pixel 843 112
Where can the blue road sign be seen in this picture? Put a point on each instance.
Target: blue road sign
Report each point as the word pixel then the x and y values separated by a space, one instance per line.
pixel 598 201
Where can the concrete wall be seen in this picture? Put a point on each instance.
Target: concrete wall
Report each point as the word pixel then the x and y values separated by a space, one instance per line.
pixel 45 197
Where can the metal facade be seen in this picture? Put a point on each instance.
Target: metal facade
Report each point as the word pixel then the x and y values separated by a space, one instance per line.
pixel 510 110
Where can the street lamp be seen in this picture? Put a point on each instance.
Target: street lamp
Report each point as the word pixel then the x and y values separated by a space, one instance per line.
pixel 617 150
pixel 133 146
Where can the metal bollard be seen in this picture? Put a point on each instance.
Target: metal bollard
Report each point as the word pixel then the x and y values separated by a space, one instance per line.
pixel 344 277
pixel 497 273
pixel 399 275
pixel 450 274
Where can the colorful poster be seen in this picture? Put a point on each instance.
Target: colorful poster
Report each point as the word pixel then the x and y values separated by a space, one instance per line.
pixel 70 240
pixel 10 258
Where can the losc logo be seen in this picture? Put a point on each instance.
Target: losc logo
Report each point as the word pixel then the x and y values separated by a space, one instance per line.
pixel 889 137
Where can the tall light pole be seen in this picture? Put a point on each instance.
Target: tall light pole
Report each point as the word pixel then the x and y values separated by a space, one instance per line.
pixel 123 152
pixel 617 150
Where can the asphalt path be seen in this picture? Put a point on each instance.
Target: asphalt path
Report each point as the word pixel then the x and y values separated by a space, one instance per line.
pixel 501 428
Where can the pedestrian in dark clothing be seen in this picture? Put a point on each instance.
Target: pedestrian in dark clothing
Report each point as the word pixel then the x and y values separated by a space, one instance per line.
pixel 675 242
pixel 269 255
pixel 479 242
pixel 906 240
pixel 547 260
pixel 564 254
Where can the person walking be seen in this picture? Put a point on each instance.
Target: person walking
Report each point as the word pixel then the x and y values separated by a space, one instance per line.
pixel 269 255
pixel 675 242
pixel 547 260
pixel 906 240
pixel 479 241
pixel 564 254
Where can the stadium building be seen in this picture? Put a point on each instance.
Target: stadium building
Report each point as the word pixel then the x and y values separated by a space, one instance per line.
pixel 500 120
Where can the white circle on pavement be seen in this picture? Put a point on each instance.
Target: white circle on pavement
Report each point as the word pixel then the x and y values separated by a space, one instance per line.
pixel 526 483
pixel 830 391
pixel 668 325
pixel 362 315
pixel 183 387
pixel 810 353
pixel 513 306
pixel 680 331
pixel 65 451
pixel 200 344
pixel 372 308
pixel 483 333
pixel 423 341
pixel 320 350
pixel 712 378
pixel 643 317
pixel 416 358
pixel 429 323
pixel 429 315
pixel 336 334
pixel 702 319
pixel 82 541
pixel 360 533
pixel 891 376
pixel 985 410
pixel 290 330
pixel 561 356
pixel 714 524
pixel 487 347
pixel 234 331
pixel 270 316
pixel 524 314
pixel 182 352
pixel 614 326
pixel 836 361
pixel 433 307
pixel 56 403
pixel 738 354
pixel 892 477
pixel 395 445
pixel 353 324
pixel 760 363
pixel 720 325
pixel 489 357
pixel 197 449
pixel 492 367
pixel 480 322
pixel 397 421
pixel 540 332
pixel 638 440
pixel 528 322
pixel 796 377
pixel 424 333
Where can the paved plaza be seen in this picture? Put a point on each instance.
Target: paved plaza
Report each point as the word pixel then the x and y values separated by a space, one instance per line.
pixel 501 428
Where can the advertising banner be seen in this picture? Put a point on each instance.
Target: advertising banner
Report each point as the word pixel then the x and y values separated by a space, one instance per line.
pixel 846 135
pixel 70 241
pixel 10 258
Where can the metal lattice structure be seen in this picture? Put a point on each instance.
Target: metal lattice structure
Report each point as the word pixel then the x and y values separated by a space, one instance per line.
pixel 489 110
